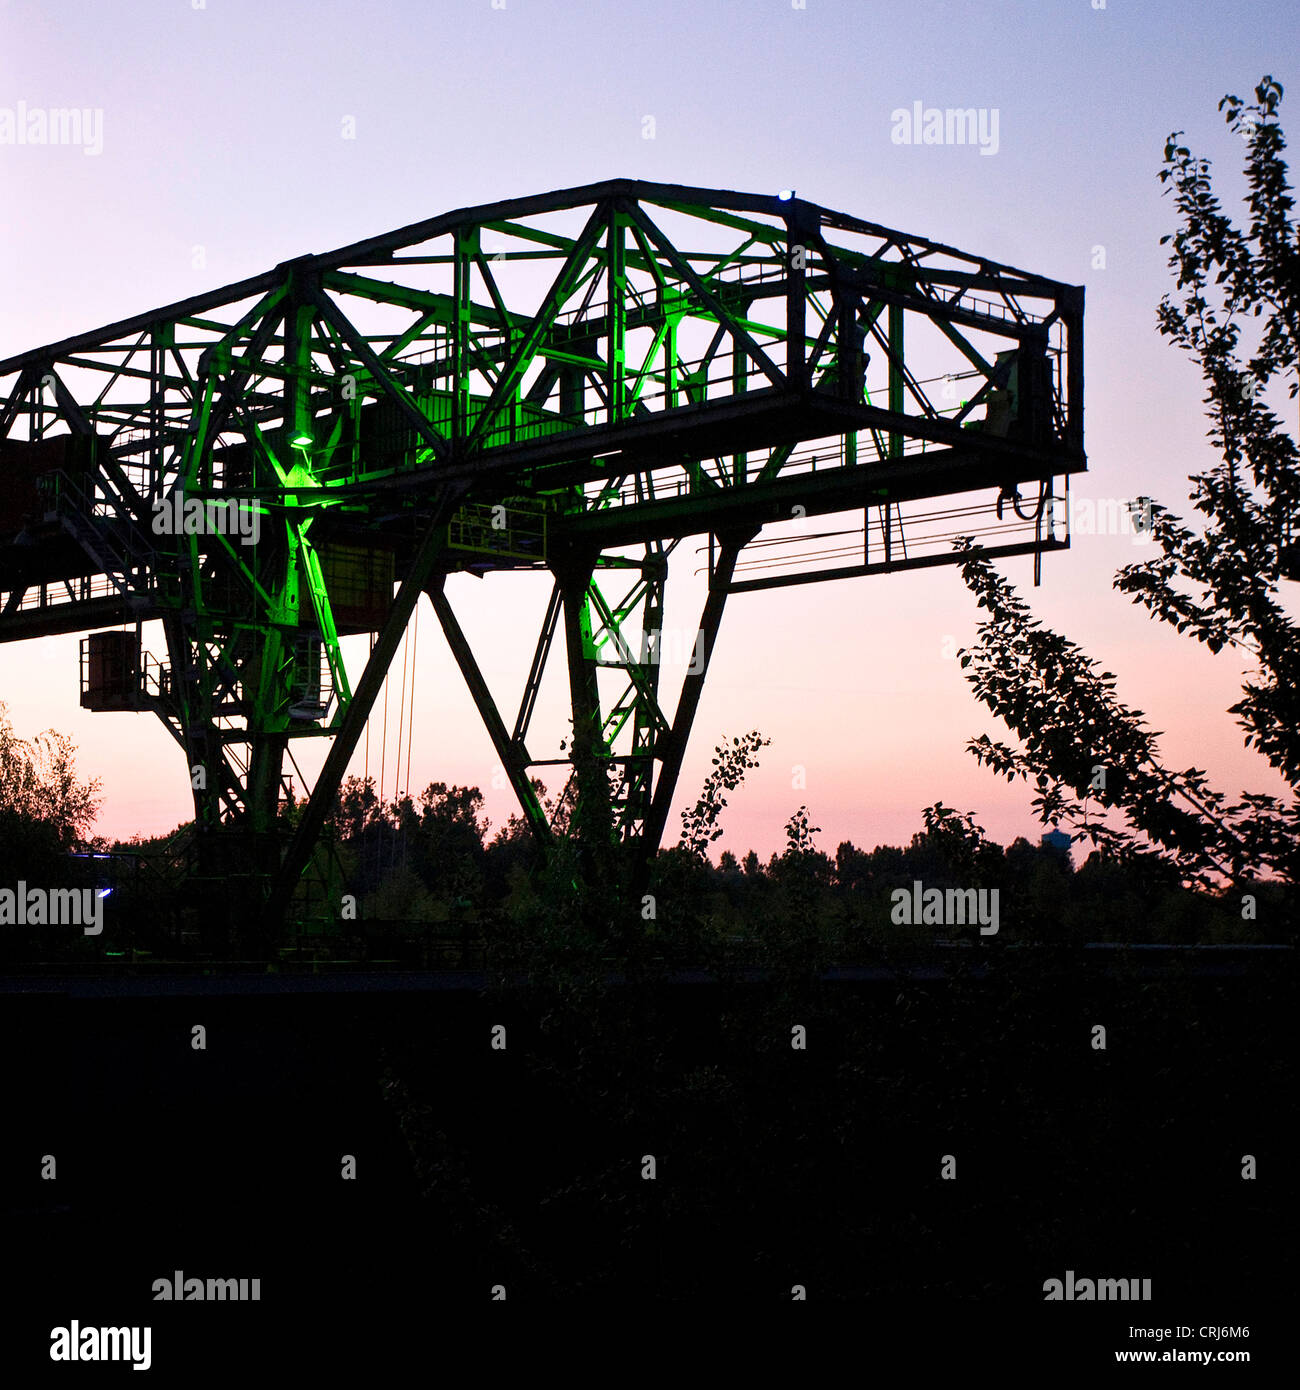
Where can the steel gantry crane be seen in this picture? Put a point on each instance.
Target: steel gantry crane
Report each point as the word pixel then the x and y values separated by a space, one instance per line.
pixel 573 383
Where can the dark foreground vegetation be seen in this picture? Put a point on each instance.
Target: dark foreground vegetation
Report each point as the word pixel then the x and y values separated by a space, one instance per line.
pixel 524 1168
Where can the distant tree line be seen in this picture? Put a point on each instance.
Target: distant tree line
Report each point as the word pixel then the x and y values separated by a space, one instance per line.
pixel 433 862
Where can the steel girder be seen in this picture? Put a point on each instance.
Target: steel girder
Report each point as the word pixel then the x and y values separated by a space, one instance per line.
pixel 571 382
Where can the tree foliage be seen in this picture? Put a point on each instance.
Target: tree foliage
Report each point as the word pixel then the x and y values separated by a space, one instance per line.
pixel 1236 312
pixel 39 786
pixel 731 761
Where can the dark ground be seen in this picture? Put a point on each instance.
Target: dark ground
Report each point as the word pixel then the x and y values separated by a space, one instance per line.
pixel 775 1167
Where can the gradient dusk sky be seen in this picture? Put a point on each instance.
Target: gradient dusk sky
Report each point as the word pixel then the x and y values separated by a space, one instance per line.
pixel 224 153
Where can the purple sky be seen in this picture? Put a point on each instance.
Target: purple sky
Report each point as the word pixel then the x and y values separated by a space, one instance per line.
pixel 222 153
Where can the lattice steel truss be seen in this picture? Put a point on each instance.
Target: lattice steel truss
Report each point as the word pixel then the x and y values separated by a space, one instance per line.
pixel 573 382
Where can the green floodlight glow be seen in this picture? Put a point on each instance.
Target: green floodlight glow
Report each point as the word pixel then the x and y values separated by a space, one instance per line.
pixel 505 405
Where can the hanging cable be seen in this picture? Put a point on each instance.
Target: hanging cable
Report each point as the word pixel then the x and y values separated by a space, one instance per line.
pixel 367 766
pixel 401 715
pixel 383 744
pixel 410 723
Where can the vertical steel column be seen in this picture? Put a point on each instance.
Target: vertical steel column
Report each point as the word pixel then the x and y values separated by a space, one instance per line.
pixel 321 801
pixel 590 760
pixel 640 768
pixel 672 746
pixel 897 393
pixel 616 285
pixel 796 299
pixel 465 242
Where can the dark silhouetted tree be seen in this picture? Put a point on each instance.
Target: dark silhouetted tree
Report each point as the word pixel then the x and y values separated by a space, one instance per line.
pixel 1093 760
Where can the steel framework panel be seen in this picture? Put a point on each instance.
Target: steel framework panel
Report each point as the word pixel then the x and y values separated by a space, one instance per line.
pixel 572 382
